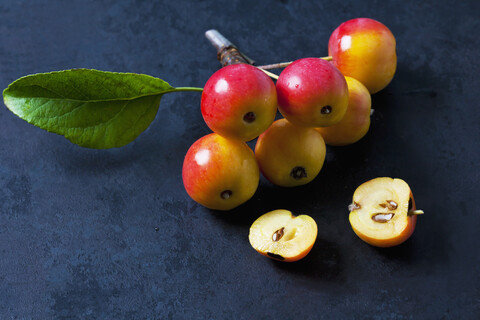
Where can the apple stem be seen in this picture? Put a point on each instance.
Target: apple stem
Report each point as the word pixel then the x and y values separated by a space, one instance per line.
pixel 228 53
pixel 268 73
pixel 286 64
pixel 189 89
pixel 415 212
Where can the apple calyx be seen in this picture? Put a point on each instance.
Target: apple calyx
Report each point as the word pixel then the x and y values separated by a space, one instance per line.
pixel 249 117
pixel 326 110
pixel 298 173
pixel 226 194
pixel 354 206
pixel 275 256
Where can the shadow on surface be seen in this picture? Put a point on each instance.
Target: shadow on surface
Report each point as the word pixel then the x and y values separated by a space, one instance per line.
pixel 322 263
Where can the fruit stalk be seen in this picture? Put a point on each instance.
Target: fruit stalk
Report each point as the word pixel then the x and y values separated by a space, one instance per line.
pixel 187 89
pixel 286 64
pixel 415 212
pixel 228 53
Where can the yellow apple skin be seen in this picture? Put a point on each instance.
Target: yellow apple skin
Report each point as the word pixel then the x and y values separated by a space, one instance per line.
pixel 220 174
pixel 400 235
pixel 295 244
pixel 356 121
pixel 285 147
pixel 364 49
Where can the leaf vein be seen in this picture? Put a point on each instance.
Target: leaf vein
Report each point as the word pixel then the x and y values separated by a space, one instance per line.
pixel 98 100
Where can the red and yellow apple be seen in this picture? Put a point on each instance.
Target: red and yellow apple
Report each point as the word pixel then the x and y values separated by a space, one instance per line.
pixel 312 92
pixel 282 236
pixel 364 49
pixel 355 122
pixel 219 173
pixel 383 212
pixel 290 155
pixel 239 102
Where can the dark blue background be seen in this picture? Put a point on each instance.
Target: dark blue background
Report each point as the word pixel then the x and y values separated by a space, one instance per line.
pixel 78 232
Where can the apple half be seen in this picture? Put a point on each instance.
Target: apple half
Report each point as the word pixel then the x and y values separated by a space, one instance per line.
pixel 282 236
pixel 383 212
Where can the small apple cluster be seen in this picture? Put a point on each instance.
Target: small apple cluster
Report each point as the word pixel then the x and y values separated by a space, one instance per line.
pixel 321 102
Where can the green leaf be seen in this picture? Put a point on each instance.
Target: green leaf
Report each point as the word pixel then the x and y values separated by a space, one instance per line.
pixel 91 108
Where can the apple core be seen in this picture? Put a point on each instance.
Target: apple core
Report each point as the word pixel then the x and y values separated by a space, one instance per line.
pixel 283 236
pixel 383 212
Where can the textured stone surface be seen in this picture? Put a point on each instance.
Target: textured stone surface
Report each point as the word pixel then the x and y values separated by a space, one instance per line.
pixel 78 227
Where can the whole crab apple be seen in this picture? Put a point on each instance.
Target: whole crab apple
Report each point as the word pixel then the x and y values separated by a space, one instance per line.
pixel 355 122
pixel 239 102
pixel 312 93
pixel 219 173
pixel 364 49
pixel 290 155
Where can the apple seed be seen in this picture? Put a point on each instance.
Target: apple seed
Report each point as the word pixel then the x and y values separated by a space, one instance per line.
pixel 326 110
pixel 226 194
pixel 298 173
pixel 392 205
pixel 277 235
pixel 383 217
pixel 249 117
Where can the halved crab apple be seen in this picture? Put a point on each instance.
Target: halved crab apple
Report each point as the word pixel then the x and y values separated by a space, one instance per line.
pixel 282 236
pixel 383 212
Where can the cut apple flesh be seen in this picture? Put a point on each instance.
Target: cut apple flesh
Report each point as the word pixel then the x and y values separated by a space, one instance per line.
pixel 380 210
pixel 282 236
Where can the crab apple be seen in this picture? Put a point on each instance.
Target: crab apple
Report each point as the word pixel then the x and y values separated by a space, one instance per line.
pixel 239 102
pixel 383 212
pixel 289 155
pixel 312 92
pixel 355 122
pixel 364 49
pixel 282 236
pixel 219 173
